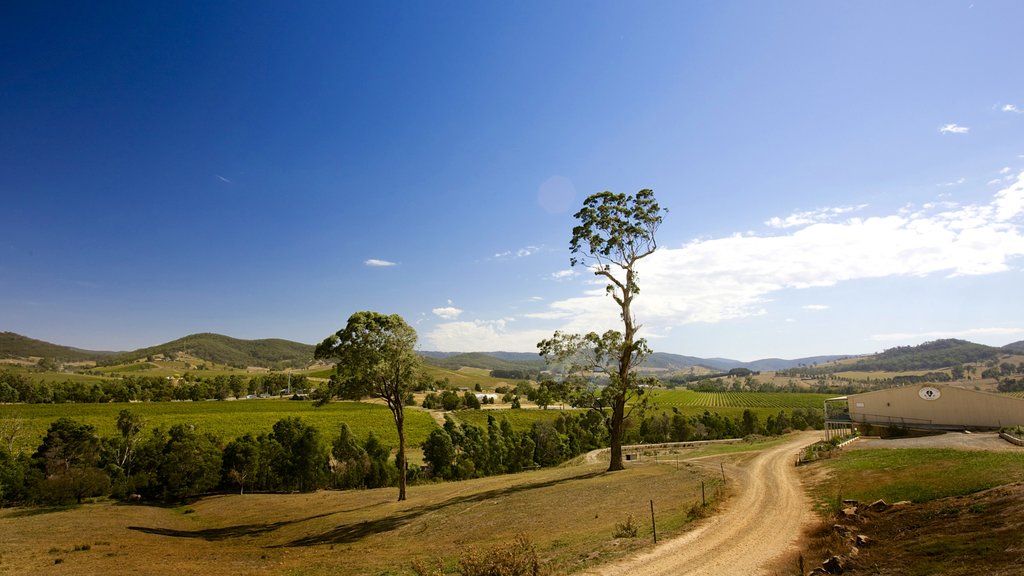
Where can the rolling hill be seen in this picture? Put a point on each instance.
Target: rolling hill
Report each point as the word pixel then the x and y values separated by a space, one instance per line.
pixel 270 353
pixel 279 353
pixel 932 355
pixel 17 346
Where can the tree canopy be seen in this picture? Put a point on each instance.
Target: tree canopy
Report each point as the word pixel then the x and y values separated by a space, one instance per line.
pixel 375 356
pixel 614 233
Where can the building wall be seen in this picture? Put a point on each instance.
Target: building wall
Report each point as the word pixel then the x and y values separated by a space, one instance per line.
pixel 936 406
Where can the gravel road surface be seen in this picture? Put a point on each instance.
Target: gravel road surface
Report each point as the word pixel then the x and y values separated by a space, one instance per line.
pixel 764 520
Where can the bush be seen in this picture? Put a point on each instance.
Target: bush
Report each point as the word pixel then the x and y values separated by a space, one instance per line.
pixel 627 529
pixel 516 559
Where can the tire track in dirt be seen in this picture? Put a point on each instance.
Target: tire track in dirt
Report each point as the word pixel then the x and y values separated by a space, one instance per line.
pixel 762 521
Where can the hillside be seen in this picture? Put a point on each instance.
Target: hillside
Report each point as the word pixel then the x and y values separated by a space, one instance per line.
pixel 486 361
pixel 17 346
pixel 271 353
pixel 1015 348
pixel 928 356
pixel 666 361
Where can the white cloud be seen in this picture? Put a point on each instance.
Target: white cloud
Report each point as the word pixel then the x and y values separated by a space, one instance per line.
pixel 223 179
pixel 1005 170
pixel 1011 108
pixel 447 312
pixel 375 263
pixel 518 253
pixel 995 181
pixel 482 335
pixel 815 307
pixel 811 216
pixel 536 298
pixel 956 182
pixel 562 275
pixel 954 129
pixel 712 280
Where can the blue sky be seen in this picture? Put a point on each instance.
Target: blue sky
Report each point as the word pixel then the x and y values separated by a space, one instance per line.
pixel 841 177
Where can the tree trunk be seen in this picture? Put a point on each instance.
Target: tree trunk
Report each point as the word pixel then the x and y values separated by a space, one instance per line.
pixel 402 467
pixel 615 431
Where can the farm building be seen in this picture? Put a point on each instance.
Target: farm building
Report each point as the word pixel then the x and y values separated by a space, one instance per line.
pixel 924 408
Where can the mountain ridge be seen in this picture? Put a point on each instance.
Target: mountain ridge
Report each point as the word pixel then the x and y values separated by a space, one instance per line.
pixel 276 352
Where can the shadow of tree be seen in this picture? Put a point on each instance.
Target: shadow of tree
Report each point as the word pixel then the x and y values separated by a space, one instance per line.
pixel 349 533
pixel 214 534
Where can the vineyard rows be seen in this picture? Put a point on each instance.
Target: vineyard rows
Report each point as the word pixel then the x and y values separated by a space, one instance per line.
pixel 780 400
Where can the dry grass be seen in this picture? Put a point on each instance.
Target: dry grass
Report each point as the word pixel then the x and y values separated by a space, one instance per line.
pixel 569 514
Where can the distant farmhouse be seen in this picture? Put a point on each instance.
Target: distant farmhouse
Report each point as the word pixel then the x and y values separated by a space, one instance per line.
pixel 923 408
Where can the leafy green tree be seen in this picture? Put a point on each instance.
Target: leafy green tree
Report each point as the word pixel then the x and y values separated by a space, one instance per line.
pixel 380 472
pixel 68 459
pixel 190 463
pixel 439 453
pixel 304 460
pixel 350 462
pixel 12 476
pixel 375 356
pixel 241 461
pixel 614 233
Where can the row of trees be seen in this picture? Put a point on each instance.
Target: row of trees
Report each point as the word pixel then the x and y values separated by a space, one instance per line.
pixel 15 387
pixel 675 427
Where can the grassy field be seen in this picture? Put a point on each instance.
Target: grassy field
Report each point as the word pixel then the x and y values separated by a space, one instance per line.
pixel 732 404
pixel 519 419
pixel 918 475
pixel 362 532
pixel 227 420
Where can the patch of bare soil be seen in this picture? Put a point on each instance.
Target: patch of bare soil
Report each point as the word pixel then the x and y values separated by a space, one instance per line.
pixel 988 441
pixel 982 533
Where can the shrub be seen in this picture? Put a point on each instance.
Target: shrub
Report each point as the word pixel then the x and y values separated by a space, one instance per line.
pixel 516 559
pixel 627 529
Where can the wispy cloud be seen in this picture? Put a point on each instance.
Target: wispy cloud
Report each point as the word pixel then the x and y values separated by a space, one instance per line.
pixel 815 307
pixel 563 275
pixel 447 312
pixel 517 253
pixel 484 335
pixel 718 279
pixel 956 182
pixel 954 129
pixel 1011 108
pixel 811 216
pixel 223 179
pixel 377 263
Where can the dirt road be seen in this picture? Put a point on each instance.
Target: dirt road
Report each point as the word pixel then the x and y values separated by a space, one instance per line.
pixel 762 521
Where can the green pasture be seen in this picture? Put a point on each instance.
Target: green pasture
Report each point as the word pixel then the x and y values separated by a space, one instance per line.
pixel 521 420
pixel 227 420
pixel 918 474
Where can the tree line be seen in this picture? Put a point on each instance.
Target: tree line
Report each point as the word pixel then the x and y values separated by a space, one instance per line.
pixel 15 387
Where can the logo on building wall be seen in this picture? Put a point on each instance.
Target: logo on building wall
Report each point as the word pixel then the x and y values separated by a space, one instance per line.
pixel 929 393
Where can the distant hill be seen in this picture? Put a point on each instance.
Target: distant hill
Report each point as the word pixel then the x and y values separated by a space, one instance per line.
pixel 928 356
pixel 486 360
pixel 1015 348
pixel 269 353
pixel 666 361
pixel 17 346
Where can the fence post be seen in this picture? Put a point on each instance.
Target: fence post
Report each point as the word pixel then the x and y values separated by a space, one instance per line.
pixel 654 527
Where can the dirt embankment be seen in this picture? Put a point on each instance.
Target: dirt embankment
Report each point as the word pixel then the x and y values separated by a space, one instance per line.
pixel 764 520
